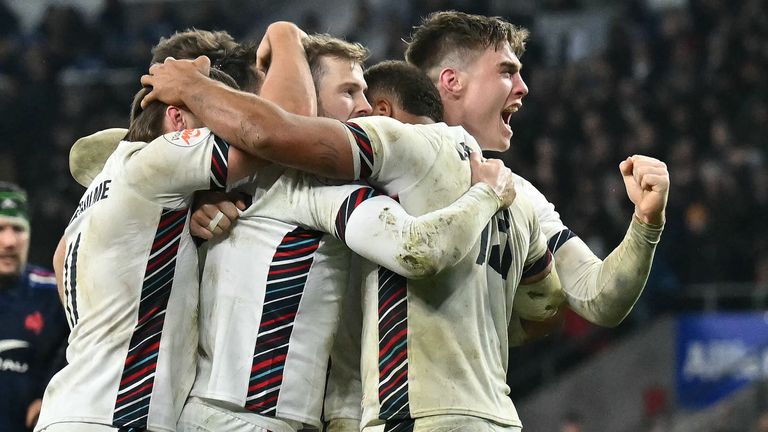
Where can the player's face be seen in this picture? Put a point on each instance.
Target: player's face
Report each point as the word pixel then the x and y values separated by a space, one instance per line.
pixel 494 91
pixel 340 90
pixel 14 248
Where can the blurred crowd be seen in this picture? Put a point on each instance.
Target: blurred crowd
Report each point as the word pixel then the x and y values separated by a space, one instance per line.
pixel 684 84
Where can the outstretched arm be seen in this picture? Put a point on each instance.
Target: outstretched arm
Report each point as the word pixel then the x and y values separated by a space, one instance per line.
pixel 251 123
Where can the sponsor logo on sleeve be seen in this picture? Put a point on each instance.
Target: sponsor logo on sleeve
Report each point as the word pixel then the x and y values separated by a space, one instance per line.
pixel 187 137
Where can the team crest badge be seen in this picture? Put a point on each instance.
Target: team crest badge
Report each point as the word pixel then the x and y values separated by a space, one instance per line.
pixel 34 322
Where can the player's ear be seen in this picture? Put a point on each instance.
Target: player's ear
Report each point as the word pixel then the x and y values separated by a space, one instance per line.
pixel 383 107
pixel 174 118
pixel 449 81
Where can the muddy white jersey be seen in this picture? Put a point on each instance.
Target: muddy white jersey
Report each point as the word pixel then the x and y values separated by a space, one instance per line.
pixel 270 293
pixel 131 286
pixel 439 345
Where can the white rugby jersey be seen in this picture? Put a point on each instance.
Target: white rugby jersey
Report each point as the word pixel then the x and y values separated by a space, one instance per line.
pixel 439 345
pixel 131 286
pixel 271 290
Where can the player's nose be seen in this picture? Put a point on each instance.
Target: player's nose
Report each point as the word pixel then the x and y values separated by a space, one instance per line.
pixel 362 107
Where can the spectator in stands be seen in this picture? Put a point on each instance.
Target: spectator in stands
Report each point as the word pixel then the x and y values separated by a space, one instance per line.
pixel 571 422
pixel 33 330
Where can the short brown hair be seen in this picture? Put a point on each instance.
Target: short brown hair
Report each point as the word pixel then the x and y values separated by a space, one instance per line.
pixel 321 45
pixel 235 59
pixel 408 85
pixel 191 43
pixel 460 35
pixel 147 124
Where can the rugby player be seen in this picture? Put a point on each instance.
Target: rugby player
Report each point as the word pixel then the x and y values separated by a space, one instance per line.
pixel 281 279
pixel 400 160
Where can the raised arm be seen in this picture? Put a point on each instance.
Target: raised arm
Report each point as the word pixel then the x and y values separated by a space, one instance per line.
pixel 604 291
pixel 288 83
pixel 288 80
pixel 251 123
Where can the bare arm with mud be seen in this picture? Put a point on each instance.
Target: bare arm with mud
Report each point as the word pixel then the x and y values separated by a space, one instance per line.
pixel 251 123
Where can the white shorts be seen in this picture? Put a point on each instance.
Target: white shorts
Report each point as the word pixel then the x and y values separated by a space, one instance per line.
pixel 204 415
pixel 447 423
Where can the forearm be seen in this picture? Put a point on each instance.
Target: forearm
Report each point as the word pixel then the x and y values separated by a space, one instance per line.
pixel 288 82
pixel 417 247
pixel 604 292
pixel 230 113
pixel 258 127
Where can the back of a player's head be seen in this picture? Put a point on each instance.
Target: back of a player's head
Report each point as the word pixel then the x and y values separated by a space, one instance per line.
pixel 237 60
pixel 146 124
pixel 454 39
pixel 318 46
pixel 192 43
pixel 406 85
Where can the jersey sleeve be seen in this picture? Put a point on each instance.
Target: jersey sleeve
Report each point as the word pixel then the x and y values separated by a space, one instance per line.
pixel 391 154
pixel 601 291
pixel 540 293
pixel 604 291
pixel 378 228
pixel 178 163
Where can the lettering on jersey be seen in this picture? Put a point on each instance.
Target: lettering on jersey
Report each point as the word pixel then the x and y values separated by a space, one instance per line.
pixel 97 194
pixel 463 150
pixel 499 255
pixel 11 365
pixel 186 137
pixel 70 282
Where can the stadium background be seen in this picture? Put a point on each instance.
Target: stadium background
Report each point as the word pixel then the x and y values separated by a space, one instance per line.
pixel 681 80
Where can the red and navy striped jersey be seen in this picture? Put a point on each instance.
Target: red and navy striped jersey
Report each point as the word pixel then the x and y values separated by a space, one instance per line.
pixel 131 286
pixel 438 345
pixel 270 297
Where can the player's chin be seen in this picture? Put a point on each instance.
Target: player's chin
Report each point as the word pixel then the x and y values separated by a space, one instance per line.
pixel 9 267
pixel 501 143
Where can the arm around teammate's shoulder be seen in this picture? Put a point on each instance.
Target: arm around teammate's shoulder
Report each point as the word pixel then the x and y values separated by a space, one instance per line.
pixel 259 127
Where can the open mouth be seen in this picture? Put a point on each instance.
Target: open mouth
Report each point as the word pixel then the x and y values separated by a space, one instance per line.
pixel 506 113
